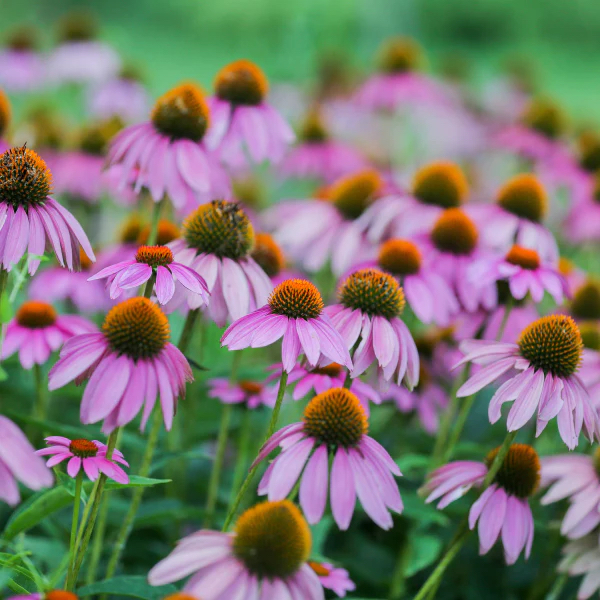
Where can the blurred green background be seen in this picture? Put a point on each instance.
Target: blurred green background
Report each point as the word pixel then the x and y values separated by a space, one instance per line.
pixel 193 38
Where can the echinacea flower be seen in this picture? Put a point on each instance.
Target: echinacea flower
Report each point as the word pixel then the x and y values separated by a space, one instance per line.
pixel 252 393
pixel 516 218
pixel 18 462
pixel 398 82
pixel 368 318
pixel 217 242
pixel 582 557
pixel 525 273
pixel 313 231
pixel 317 156
pixel 167 155
pixel 270 258
pixel 581 224
pixel 91 455
pixel 243 123
pixel 30 219
pixel 264 558
pixel 333 578
pixel 435 187
pixel 576 477
pixel 334 427
pixel 502 510
pixel 38 330
pixel 50 595
pixel 21 65
pixel 153 262
pixel 547 357
pixel 295 312
pixel 128 364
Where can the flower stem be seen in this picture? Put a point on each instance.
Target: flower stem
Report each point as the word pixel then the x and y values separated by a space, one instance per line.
pixel 40 409
pixel 252 472
pixel 463 531
pixel 242 452
pixel 348 380
pixel 188 329
pixel 75 521
pixel 93 501
pixel 138 492
pixel 557 587
pixel 156 210
pixel 149 285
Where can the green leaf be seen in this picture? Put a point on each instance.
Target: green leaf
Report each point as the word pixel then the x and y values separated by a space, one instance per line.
pixel 129 586
pixel 47 502
pixel 6 311
pixel 423 514
pixel 166 458
pixel 423 551
pixel 8 561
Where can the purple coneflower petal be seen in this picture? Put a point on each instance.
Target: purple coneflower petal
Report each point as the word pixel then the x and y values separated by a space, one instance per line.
pixel 313 489
pixel 342 489
pixel 288 466
pixel 491 520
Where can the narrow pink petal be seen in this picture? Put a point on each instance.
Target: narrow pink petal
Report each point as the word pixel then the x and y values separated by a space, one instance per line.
pixel 313 489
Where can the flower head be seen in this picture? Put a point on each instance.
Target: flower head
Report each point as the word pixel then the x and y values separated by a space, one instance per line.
pixel 129 364
pixel 241 82
pixel 268 255
pixel 5 113
pixel 441 184
pixel 586 301
pixel 265 556
pixel 399 55
pixel 334 424
pixel 250 392
pixel 335 579
pixel 544 117
pixel 91 455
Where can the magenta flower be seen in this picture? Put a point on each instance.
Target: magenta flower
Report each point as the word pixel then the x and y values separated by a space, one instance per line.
pixel 129 364
pixel 583 220
pixel 368 318
pixel 547 357
pixel 264 558
pixel 37 331
pixel 574 476
pixel 251 393
pixel 582 557
pixel 314 231
pixel 295 312
pixel 157 262
pixel 30 220
pixel 91 455
pixel 525 273
pixel 167 155
pixel 18 462
pixel 21 65
pixel 218 239
pixel 502 510
pixel 334 424
pixel 332 578
pixel 243 124
pixel 122 97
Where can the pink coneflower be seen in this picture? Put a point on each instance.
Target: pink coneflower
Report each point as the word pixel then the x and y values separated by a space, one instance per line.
pixel 167 155
pixel 547 356
pixel 398 83
pixel 264 558
pixel 368 318
pixel 37 331
pixel 243 124
pixel 516 217
pixel 574 476
pixel 435 187
pixel 153 262
pixel 129 364
pixel 295 312
pixel 270 258
pixel 333 578
pixel 582 557
pixel 30 219
pixel 217 242
pixel 318 156
pixel 452 247
pixel 21 66
pixel 124 97
pixel 18 462
pixel 334 423
pixel 525 273
pixel 252 393
pixel 91 455
pixel 503 509
pixel 582 222
pixel 313 231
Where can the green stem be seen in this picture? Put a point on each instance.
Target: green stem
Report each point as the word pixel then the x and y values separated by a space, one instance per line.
pixel 557 587
pixel 463 531
pixel 40 409
pixel 243 447
pixel 138 492
pixel 348 380
pixel 150 285
pixel 95 506
pixel 188 329
pixel 74 523
pixel 252 472
pixel 156 209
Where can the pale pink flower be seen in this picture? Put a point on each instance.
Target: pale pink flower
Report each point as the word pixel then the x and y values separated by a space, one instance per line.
pixel 333 578
pixel 82 62
pixel 582 557
pixel 122 97
pixel 252 393
pixel 21 65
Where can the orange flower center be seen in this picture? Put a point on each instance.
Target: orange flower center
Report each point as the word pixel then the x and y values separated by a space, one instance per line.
pixel 268 254
pixel 319 568
pixel 352 194
pixel 241 82
pixel 167 232
pixel 399 55
pixel 60 595
pixel 84 260
pixel 441 184
pixel 136 328
pixel 519 474
pixel 525 197
pixel 336 418
pixel 526 258
pixel 5 113
pixel 332 370
pixel 24 178
pixel 296 299
pixel 399 257
pixel 35 314
pixel 155 256
pixel 251 388
pixel 546 118
pixel 83 448
pixel 313 130
pixel 182 113
pixel 454 232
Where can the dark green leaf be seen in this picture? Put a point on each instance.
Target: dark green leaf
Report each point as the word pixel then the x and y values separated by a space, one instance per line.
pixel 129 586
